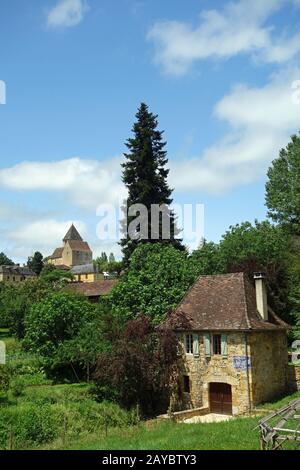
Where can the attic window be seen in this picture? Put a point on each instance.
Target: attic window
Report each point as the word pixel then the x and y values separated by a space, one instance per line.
pixel 217 344
pixel 189 344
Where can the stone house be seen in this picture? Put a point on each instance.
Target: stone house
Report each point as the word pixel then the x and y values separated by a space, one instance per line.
pixel 233 346
pixel 74 252
pixel 86 273
pixel 16 273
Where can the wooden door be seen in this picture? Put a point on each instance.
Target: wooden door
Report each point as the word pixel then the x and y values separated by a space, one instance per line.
pixel 220 398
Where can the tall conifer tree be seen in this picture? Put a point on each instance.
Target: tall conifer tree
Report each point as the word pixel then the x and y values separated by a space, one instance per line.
pixel 145 176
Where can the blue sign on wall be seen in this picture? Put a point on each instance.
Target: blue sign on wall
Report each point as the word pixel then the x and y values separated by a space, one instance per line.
pixel 240 362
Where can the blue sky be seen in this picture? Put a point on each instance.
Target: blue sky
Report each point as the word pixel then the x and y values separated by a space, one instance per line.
pixel 219 75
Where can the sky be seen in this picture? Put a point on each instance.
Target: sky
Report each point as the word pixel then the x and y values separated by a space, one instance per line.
pixel 222 76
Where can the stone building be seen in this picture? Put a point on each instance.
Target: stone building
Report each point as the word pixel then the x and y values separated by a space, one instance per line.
pixel 233 346
pixel 93 291
pixel 16 273
pixel 86 273
pixel 74 251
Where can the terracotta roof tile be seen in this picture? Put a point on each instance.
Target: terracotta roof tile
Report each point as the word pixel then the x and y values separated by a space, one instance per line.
pixel 78 245
pixel 221 302
pixel 93 289
pixel 56 254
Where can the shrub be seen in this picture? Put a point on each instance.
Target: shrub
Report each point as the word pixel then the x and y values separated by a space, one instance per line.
pixel 29 425
pixel 17 387
pixel 4 378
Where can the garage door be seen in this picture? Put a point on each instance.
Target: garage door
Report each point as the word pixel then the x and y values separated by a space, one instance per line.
pixel 220 398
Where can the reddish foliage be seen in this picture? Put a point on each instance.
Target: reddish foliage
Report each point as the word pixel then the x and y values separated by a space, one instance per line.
pixel 140 366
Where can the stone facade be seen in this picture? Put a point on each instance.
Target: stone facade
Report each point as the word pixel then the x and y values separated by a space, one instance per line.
pixel 263 379
pixel 74 252
pixel 294 378
pixel 234 347
pixel 15 274
pixel 269 361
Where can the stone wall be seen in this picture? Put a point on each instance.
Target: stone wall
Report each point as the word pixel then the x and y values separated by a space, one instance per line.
pixel 293 378
pixel 263 379
pixel 269 360
pixel 205 370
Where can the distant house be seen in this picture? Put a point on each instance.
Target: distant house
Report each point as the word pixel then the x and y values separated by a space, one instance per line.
pixel 86 273
pixel 16 273
pixel 233 346
pixel 74 251
pixel 93 290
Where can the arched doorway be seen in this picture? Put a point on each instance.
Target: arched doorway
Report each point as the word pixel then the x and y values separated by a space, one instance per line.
pixel 220 398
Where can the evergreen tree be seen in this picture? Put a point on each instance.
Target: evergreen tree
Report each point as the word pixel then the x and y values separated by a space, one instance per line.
pixel 5 261
pixel 103 257
pixel 145 176
pixel 36 263
pixel 111 258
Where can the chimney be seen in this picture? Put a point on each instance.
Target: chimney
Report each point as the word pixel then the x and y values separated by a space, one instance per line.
pixel 261 295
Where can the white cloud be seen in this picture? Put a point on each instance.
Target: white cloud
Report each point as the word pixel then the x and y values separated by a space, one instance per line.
pixel 42 235
pixel 240 27
pixel 87 183
pixel 67 13
pixel 261 121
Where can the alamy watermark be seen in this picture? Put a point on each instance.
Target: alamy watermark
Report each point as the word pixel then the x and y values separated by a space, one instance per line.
pixel 142 223
pixel 296 352
pixel 2 92
pixel 2 353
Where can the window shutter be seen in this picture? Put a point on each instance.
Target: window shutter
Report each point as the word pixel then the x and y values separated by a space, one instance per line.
pixel 196 345
pixel 224 345
pixel 179 345
pixel 207 345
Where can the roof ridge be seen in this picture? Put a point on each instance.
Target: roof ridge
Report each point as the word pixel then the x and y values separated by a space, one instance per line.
pixel 245 302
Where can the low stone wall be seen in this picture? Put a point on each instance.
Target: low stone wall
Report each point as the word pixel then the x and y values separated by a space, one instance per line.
pixel 186 414
pixel 293 378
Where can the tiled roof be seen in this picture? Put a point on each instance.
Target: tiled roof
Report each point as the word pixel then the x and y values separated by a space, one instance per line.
pixel 221 302
pixel 78 245
pixel 56 254
pixel 84 269
pixel 93 289
pixel 17 271
pixel 72 234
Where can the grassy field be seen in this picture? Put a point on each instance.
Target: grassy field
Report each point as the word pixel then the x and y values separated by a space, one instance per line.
pixel 36 414
pixel 236 434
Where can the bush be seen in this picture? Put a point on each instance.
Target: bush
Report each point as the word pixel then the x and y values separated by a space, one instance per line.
pixel 28 425
pixel 4 378
pixel 17 387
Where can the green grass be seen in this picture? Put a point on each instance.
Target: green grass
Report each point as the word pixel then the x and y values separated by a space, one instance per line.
pixel 237 434
pixel 86 418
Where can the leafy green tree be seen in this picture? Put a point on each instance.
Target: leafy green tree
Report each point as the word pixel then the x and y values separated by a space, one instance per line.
pixel 52 322
pixel 145 176
pixel 55 276
pixel 36 262
pixel 157 279
pixel 259 247
pixel 294 298
pixel 16 300
pixel 5 261
pixel 94 338
pixel 206 260
pixel 283 187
